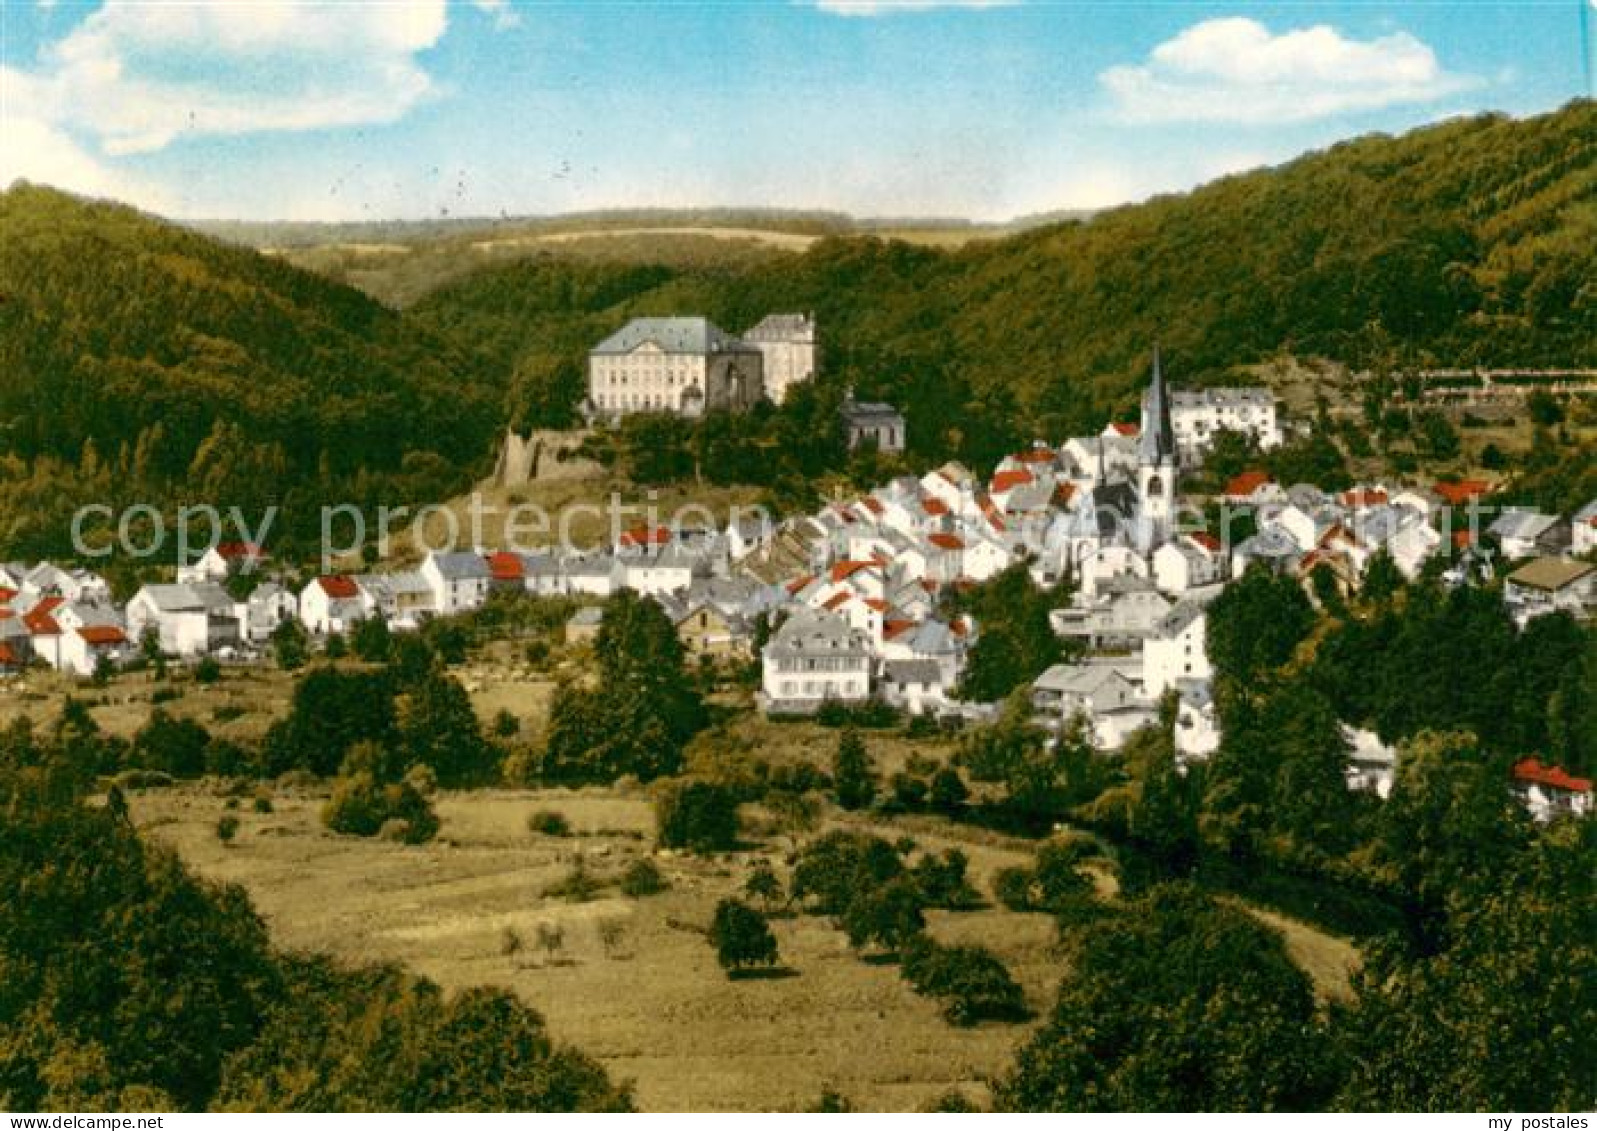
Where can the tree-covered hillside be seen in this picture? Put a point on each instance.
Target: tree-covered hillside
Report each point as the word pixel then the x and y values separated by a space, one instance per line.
pixel 138 359
pixel 1473 241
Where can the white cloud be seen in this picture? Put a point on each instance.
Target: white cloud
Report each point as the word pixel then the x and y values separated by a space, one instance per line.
pixel 39 151
pixel 503 16
pixel 888 7
pixel 134 76
pixel 1236 70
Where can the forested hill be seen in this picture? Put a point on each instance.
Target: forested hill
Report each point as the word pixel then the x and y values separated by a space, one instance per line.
pixel 1473 241
pixel 140 359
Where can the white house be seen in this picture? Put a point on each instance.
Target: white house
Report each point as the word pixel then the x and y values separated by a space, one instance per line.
pixel 814 657
pixel 331 604
pixel 267 606
pixel 1108 698
pixel 189 620
pixel 1526 533
pixel 222 561
pixel 459 580
pixel 1198 415
pixel 1175 649
pixel 1549 792
pixel 1583 530
pixel 1548 585
pixel 1187 562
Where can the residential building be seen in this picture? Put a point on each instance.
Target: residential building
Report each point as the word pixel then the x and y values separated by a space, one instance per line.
pixel 814 657
pixel 1528 533
pixel 188 620
pixel 1548 585
pixel 1101 692
pixel 459 580
pixel 330 604
pixel 1549 792
pixel 1199 415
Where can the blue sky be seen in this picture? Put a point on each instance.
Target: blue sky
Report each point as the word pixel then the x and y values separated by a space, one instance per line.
pixel 980 108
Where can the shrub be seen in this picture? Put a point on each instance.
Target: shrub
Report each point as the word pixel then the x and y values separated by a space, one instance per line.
pixel 262 803
pixel 577 886
pixel 168 743
pixel 227 828
pixel 361 807
pixel 741 937
pixel 642 879
pixel 548 822
pixel 852 771
pixel 699 816
pixel 143 779
pixel 943 883
pixel 207 670
pixel 506 725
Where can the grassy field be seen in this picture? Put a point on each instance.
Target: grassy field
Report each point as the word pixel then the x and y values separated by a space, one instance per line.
pixel 653 1006
pixel 656 1009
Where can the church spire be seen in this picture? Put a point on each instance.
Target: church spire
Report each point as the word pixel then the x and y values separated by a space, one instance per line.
pixel 1158 440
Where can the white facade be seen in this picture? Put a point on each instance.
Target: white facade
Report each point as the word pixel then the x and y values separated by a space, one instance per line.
pixel 788 346
pixel 459 581
pixel 815 657
pixel 685 366
pixel 1199 414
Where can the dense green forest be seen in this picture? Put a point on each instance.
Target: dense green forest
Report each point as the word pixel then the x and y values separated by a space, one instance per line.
pixel 140 359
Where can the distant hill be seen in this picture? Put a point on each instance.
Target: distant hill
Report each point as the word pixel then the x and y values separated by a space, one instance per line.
pixel 1469 242
pixel 141 360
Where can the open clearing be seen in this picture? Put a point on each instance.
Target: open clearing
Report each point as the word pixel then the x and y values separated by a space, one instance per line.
pixel 654 1008
pixel 657 1009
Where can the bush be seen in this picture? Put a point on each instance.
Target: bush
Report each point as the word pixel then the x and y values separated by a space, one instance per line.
pixel 361 807
pixel 207 670
pixel 699 816
pixel 888 916
pixel 227 828
pixel 970 981
pixel 506 725
pixel 548 822
pixel 173 745
pixel 577 886
pixel 943 883
pixel 741 937
pixel 841 864
pixel 262 803
pixel 143 779
pixel 642 879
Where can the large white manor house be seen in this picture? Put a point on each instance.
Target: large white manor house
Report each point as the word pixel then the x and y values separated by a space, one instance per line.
pixel 690 366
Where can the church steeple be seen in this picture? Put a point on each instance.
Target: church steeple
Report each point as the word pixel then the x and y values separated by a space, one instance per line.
pixel 1157 445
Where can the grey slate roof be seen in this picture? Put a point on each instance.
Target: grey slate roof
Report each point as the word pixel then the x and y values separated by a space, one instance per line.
pixel 461 564
pixel 693 336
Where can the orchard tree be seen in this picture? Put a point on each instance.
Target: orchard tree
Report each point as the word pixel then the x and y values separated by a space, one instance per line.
pixel 741 937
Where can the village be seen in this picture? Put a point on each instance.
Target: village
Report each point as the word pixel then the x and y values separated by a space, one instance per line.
pixel 845 606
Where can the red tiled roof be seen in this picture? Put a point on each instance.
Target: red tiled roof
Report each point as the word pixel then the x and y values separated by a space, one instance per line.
pixel 843 570
pixel 102 634
pixel 1008 480
pixel 1063 493
pixel 837 600
pixel 1245 484
pixel 1124 428
pixel 799 584
pixel 339 587
pixel 1036 455
pixel 39 620
pixel 645 536
pixel 1532 770
pixel 946 541
pixel 876 603
pixel 1206 540
pixel 506 566
pixel 9 658
pixel 231 550
pixel 6 594
pixel 1462 540
pixel 1462 490
pixel 896 628
pixel 934 506
pixel 871 504
pixel 1364 497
